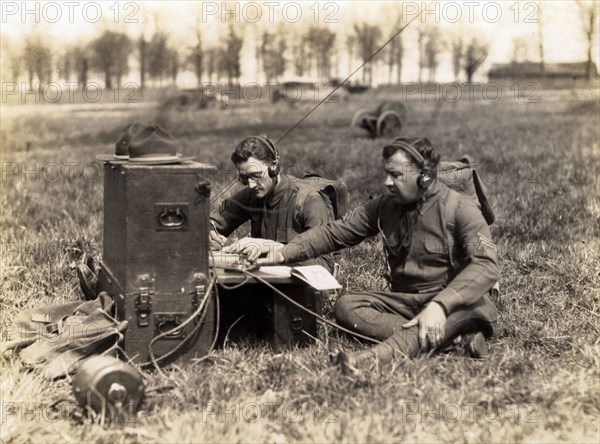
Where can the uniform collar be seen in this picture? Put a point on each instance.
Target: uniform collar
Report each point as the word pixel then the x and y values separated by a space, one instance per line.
pixel 280 188
pixel 431 196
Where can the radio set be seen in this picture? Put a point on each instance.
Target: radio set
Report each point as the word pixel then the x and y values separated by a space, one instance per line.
pixel 155 258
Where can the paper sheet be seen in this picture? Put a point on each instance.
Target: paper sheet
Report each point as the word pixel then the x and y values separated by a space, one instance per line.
pixel 316 276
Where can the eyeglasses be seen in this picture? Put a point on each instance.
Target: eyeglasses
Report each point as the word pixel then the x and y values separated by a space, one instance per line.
pixel 254 177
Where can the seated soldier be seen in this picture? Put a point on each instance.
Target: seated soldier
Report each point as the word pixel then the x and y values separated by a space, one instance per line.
pixel 268 201
pixel 430 304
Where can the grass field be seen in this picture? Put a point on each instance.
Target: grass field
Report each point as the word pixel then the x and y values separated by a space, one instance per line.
pixel 541 166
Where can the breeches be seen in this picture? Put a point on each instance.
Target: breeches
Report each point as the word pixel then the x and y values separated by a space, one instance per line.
pixel 380 315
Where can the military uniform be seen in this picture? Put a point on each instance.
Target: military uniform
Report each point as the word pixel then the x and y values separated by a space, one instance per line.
pixel 277 217
pixel 420 264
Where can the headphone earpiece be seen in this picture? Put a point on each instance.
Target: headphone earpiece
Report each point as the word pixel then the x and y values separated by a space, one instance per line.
pixel 425 178
pixel 274 169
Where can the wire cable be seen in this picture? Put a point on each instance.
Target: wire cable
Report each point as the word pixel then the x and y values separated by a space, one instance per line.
pixel 199 311
pixel 353 72
pixel 233 182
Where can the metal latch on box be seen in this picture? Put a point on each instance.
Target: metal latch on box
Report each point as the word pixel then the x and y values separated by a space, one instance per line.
pixel 198 290
pixel 143 303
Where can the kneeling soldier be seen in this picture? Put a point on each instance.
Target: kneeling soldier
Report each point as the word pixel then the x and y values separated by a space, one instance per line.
pixel 431 303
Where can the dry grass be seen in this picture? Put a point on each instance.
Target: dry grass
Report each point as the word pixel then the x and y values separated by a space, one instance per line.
pixel 540 384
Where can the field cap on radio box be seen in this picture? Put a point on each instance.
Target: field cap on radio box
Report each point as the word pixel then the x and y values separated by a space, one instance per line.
pixel 122 145
pixel 154 146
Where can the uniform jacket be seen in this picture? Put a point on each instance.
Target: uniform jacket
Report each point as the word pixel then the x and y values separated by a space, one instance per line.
pixel 275 218
pixel 426 266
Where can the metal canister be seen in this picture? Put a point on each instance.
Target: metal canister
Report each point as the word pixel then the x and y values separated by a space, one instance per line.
pixel 108 386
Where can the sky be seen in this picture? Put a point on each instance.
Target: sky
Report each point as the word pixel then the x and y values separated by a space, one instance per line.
pixel 498 22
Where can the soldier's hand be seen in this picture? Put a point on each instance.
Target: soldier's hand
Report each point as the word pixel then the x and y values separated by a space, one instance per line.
pixel 432 325
pixel 252 247
pixel 274 256
pixel 216 240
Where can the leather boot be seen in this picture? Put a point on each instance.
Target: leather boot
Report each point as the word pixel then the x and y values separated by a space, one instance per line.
pixel 476 346
pixel 353 364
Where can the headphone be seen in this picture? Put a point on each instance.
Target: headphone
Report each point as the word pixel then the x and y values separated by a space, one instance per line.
pixel 425 178
pixel 274 168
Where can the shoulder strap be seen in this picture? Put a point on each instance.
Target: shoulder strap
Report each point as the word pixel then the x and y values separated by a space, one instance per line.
pixel 450 215
pixel 486 208
pixel 299 203
pixel 450 221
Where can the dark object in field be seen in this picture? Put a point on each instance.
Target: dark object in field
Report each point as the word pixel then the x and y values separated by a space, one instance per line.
pixel 356 89
pixel 195 98
pixel 385 121
pixel 88 277
pixel 352 88
pixel 155 258
pixel 298 92
pixel 108 386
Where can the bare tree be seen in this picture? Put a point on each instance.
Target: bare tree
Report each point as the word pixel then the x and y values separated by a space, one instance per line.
pixel 173 62
pixel 320 41
pixel 37 60
pixel 16 67
pixel 110 54
pixel 143 56
pixel 229 56
pixel 80 61
pixel 367 40
pixel 391 59
pixel 158 56
pixel 476 52
pixel 196 57
pixel 395 56
pixel 589 13
pixel 64 66
pixel 432 48
pixel 421 38
pixel 541 39
pixel 457 47
pixel 212 62
pixel 299 55
pixel 12 65
pixel 350 46
pixel 272 53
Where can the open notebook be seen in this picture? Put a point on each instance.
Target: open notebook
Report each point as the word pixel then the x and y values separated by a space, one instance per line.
pixel 314 275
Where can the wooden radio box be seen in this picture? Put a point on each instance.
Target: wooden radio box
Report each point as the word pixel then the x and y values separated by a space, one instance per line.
pixel 155 257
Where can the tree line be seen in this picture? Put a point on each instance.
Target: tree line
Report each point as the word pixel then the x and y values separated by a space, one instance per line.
pixel 311 53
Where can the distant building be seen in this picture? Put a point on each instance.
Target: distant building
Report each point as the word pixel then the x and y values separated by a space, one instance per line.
pixel 533 70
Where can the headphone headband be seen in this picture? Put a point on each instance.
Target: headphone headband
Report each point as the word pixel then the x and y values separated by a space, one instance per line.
pixel 274 168
pixel 266 141
pixel 411 151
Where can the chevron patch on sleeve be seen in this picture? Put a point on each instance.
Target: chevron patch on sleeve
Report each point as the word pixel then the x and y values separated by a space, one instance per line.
pixel 485 242
pixel 350 214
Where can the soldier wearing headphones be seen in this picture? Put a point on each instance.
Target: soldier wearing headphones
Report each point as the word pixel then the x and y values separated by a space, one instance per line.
pixel 430 305
pixel 268 202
